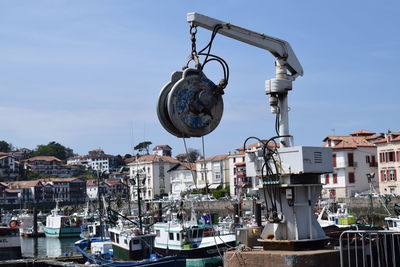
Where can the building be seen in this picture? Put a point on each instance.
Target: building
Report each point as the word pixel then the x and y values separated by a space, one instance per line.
pixel 111 188
pixel 388 150
pixel 9 167
pixel 183 177
pixel 29 191
pixel 7 195
pixel 162 150
pixel 237 173
pixel 212 172
pixel 49 165
pixel 66 189
pixel 150 173
pixel 95 160
pixel 353 157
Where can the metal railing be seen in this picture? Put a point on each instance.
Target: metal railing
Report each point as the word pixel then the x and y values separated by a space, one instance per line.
pixel 366 248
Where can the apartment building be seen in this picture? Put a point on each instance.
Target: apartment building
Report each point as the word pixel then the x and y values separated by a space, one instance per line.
pixel 49 165
pixel 150 173
pixel 95 160
pixel 354 156
pixel 182 177
pixel 212 172
pixel 8 167
pixel 388 149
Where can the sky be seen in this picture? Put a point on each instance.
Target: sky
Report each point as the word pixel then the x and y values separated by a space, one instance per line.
pixel 87 74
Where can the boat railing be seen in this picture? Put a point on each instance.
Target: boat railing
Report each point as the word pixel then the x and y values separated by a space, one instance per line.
pixel 368 248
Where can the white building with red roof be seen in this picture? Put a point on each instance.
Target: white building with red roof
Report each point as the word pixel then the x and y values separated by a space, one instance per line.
pixel 8 166
pixel 389 163
pixel 353 157
pixel 182 178
pixel 212 172
pixel 162 150
pixel 154 179
pixel 95 160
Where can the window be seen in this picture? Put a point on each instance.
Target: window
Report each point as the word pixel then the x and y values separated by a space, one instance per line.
pixel 351 178
pixel 326 178
pixel 171 236
pixel 383 175
pixel 334 160
pixel 367 159
pixel 234 160
pixel 391 156
pixel 335 178
pixel 158 233
pixel 178 236
pixel 392 175
pixel 350 159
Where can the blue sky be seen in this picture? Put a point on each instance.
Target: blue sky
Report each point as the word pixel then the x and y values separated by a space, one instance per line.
pixel 87 74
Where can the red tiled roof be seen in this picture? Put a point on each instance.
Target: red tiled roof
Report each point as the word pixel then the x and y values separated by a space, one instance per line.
pixel 189 165
pixel 23 184
pixel 392 137
pixel 43 158
pixel 213 158
pixel 349 142
pixel 155 158
pixel 257 145
pixel 362 133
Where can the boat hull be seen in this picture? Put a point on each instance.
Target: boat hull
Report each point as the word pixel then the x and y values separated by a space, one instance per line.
pixel 197 253
pixel 62 232
pixel 170 261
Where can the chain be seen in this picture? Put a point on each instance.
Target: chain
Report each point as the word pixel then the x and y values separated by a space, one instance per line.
pixel 193 31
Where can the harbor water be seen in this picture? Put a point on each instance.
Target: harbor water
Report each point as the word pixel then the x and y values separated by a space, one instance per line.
pixel 42 247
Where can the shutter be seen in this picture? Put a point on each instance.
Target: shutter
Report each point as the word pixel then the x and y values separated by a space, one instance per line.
pixel 394 175
pixel 387 175
pixel 382 176
pixel 380 157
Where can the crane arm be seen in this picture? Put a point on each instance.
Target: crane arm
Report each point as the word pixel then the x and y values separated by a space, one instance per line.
pixel 277 47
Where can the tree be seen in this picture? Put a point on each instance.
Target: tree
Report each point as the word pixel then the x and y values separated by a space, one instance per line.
pixel 192 155
pixel 53 149
pixel 143 146
pixel 5 147
pixel 127 156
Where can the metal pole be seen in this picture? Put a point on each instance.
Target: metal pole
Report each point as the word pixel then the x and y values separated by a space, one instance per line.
pixel 139 204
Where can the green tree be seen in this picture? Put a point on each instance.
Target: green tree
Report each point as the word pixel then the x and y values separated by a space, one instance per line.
pixel 53 149
pixel 192 155
pixel 5 147
pixel 143 147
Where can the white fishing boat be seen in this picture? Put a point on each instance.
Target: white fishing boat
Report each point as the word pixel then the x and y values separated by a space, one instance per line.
pixel 58 226
pixel 341 218
pixel 200 242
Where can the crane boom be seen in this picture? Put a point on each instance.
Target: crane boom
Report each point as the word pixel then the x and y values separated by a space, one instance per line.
pixel 277 47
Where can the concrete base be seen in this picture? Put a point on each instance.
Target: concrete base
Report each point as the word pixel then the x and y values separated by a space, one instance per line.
pixel 311 258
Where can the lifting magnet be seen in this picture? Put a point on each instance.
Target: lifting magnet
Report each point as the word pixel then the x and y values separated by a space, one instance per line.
pixel 162 110
pixel 194 105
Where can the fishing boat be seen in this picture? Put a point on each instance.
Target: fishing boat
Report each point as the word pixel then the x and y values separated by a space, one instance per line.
pixel 199 241
pixel 26 228
pixel 58 225
pixel 341 218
